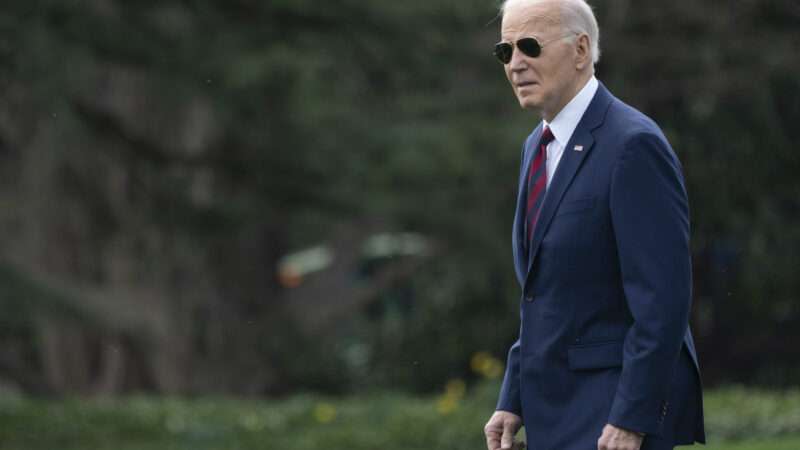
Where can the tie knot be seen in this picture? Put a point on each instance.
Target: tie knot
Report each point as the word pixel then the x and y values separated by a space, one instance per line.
pixel 547 136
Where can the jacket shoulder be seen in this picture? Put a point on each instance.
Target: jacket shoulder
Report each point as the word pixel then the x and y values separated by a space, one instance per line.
pixel 630 123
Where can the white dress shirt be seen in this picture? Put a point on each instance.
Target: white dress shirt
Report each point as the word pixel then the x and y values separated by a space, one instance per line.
pixel 564 124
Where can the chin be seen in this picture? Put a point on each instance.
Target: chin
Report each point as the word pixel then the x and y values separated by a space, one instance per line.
pixel 529 103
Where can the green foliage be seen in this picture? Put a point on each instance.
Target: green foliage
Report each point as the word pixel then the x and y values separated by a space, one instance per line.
pixel 739 413
pixel 381 419
pixel 786 443
pixel 156 144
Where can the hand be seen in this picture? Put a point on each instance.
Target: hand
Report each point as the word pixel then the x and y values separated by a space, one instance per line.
pixel 614 438
pixel 501 429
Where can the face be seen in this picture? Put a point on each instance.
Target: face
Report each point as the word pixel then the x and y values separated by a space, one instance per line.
pixel 547 82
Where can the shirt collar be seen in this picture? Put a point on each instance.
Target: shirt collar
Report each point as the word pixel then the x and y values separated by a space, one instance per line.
pixel 565 122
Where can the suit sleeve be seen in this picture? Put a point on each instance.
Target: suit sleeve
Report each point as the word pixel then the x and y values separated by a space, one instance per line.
pixel 509 399
pixel 509 392
pixel 650 218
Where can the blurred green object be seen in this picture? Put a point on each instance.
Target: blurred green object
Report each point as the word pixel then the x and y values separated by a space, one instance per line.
pixel 737 419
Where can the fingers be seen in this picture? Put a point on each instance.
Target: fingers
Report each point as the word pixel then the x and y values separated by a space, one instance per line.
pixel 613 445
pixel 500 431
pixel 614 438
pixel 492 438
pixel 493 442
pixel 493 431
pixel 507 441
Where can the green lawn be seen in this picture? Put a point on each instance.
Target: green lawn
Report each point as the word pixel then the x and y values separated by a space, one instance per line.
pixel 383 420
pixel 784 443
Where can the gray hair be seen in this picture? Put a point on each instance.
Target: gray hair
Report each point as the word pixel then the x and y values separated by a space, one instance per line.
pixel 576 16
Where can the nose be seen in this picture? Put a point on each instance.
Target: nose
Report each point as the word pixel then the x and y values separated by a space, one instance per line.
pixel 518 61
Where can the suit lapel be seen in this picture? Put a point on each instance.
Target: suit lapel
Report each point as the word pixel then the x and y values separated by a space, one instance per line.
pixel 568 167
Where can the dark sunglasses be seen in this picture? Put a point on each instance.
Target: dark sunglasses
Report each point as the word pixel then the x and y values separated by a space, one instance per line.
pixel 529 46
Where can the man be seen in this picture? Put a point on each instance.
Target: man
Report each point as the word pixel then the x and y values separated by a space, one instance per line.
pixel 605 358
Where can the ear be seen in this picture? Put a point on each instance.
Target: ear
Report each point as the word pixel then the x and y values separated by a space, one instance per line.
pixel 583 54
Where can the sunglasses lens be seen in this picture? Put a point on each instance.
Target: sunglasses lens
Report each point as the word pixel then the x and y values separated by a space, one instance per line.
pixel 530 47
pixel 503 52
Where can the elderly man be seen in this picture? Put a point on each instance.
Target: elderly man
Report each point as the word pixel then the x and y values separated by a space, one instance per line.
pixel 605 358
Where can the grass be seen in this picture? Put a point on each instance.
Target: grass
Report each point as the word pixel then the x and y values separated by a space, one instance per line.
pixel 737 419
pixel 778 443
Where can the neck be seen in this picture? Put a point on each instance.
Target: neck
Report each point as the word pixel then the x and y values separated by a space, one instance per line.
pixel 549 114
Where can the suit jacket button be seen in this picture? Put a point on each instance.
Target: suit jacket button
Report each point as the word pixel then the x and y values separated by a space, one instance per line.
pixel 528 298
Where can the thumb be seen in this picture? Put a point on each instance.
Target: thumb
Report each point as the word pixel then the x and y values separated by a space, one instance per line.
pixel 507 441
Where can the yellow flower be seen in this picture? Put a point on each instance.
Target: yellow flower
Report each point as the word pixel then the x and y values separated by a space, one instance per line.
pixel 446 405
pixel 324 413
pixel 453 392
pixel 486 365
pixel 478 361
pixel 455 388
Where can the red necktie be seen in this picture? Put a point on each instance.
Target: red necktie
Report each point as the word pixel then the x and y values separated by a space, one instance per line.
pixel 537 183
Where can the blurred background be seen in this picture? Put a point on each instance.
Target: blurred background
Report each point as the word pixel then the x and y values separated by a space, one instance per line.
pixel 286 223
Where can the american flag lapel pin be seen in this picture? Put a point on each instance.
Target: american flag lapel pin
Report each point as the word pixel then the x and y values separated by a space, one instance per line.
pixel 578 148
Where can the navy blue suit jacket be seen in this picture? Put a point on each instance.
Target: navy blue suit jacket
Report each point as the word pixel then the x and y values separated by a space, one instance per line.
pixel 606 291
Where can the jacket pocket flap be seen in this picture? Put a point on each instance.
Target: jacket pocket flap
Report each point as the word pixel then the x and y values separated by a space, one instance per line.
pixel 599 355
pixel 575 206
